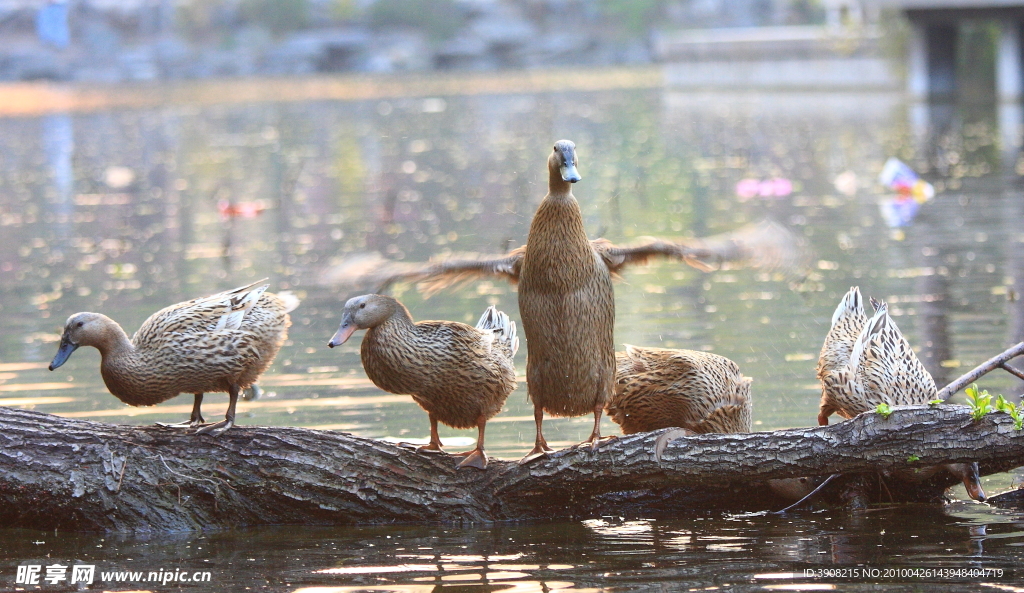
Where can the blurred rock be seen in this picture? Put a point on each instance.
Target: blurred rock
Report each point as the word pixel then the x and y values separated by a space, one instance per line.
pixel 399 51
pixel 32 62
pixel 139 64
pixel 325 50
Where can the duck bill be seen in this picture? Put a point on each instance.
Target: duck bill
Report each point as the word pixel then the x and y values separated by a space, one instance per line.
pixel 342 335
pixel 570 174
pixel 971 477
pixel 63 353
pixel 974 490
pixel 972 482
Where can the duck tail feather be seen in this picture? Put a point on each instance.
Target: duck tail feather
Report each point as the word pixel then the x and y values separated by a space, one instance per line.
pixel 874 327
pixel 852 304
pixel 489 319
pixel 504 328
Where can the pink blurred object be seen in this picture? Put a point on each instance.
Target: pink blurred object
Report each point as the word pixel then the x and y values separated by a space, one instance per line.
pixel 777 187
pixel 241 209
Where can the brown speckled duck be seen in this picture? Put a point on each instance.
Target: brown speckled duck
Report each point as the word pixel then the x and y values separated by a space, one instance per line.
pixel 461 375
pixel 882 368
pixel 698 391
pixel 222 342
pixel 567 304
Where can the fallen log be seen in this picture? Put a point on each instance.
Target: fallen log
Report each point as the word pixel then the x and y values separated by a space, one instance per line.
pixel 59 473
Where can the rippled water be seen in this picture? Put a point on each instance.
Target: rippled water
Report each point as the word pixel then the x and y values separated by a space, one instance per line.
pixel 116 211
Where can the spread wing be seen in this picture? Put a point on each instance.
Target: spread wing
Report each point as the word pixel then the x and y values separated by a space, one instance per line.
pixel 432 278
pixel 765 244
pixel 617 257
pixel 372 270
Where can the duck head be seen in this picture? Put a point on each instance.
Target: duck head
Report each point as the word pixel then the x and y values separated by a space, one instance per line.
pixel 363 312
pixel 971 477
pixel 562 164
pixel 83 329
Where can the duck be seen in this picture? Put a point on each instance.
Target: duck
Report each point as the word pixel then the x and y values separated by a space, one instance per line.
pixel 567 305
pixel 566 296
pixel 459 374
pixel 217 343
pixel 659 388
pixel 847 323
pixel 883 368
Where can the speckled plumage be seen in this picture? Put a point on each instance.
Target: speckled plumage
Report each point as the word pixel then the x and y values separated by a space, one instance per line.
pixel 699 391
pixel 882 368
pixel 567 303
pixel 452 370
pixel 222 342
pixel 461 375
pixel 847 323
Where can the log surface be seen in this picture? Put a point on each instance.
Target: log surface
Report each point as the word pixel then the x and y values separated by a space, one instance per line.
pixel 58 473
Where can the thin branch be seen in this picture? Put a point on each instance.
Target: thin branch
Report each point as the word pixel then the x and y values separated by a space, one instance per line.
pixel 981 370
pixel 1013 371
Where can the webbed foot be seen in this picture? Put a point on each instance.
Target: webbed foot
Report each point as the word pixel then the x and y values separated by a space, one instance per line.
pixel 216 429
pixel 182 424
pixel 599 442
pixel 475 458
pixel 430 448
pixel 537 452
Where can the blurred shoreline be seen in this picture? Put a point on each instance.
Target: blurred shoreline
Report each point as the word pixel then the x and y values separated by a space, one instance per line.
pixel 31 99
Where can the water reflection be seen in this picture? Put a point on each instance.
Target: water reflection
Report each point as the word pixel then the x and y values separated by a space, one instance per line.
pixel 743 552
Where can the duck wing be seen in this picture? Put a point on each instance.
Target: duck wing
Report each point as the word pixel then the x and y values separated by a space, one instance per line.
pixel 214 313
pixel 617 258
pixel 431 278
pixel 765 244
pixel 884 367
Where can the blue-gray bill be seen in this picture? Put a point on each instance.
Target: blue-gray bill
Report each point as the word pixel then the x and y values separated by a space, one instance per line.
pixel 63 353
pixel 570 174
pixel 342 335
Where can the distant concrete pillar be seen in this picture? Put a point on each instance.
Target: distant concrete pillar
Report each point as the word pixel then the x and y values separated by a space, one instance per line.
pixel 1009 72
pixel 917 63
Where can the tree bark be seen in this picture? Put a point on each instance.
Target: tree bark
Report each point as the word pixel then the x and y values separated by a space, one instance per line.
pixel 58 473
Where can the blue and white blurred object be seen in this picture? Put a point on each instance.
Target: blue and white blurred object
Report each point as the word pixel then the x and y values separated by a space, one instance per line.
pixel 911 191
